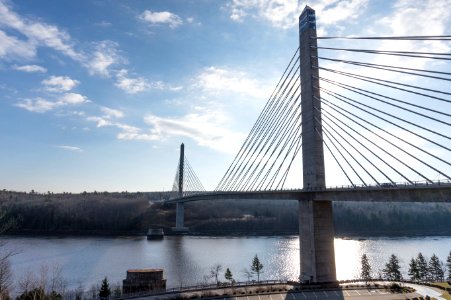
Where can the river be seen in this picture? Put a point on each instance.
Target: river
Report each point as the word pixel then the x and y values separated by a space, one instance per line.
pixel 186 260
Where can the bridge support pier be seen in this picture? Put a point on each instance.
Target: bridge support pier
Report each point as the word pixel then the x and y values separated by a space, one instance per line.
pixel 316 236
pixel 180 218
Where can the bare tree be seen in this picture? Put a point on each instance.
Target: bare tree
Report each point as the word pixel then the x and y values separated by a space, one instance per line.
pixel 215 271
pixel 247 273
pixel 6 274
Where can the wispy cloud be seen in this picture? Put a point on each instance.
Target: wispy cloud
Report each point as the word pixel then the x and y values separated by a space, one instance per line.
pixel 220 80
pixel 161 18
pixel 137 84
pixel 111 113
pixel 103 58
pixel 59 83
pixel 70 148
pixel 38 33
pixel 30 68
pixel 12 48
pixel 284 13
pixel 205 126
pixel 40 105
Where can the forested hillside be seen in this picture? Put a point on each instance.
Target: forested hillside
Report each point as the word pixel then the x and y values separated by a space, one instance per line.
pixel 133 213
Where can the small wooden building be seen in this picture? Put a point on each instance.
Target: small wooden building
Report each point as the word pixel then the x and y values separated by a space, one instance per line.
pixel 143 280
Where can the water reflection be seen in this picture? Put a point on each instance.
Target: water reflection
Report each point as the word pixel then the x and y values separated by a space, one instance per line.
pixel 186 260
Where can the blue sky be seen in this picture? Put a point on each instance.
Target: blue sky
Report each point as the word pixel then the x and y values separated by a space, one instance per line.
pixel 98 95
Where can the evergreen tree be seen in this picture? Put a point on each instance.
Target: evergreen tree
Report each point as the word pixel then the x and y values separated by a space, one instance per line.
pixel 105 291
pixel 448 264
pixel 256 267
pixel 228 275
pixel 414 272
pixel 436 269
pixel 365 272
pixel 422 267
pixel 392 269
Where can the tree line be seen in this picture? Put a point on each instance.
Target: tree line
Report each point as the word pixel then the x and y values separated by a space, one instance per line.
pixel 134 213
pixel 420 270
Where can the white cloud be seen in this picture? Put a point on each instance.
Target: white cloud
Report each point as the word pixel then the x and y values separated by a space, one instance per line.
pixel 40 105
pixel 70 148
pixel 133 85
pixel 13 48
pixel 161 18
pixel 285 13
pixel 130 85
pixel 30 68
pixel 72 99
pixel 205 126
pixel 111 113
pixel 218 80
pixel 38 33
pixel 103 58
pixel 59 83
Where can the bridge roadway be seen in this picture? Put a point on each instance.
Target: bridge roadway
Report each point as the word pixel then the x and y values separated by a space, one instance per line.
pixel 436 192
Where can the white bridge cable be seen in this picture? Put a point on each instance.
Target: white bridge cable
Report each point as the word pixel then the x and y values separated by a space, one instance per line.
pixel 259 121
pixel 262 134
pixel 273 117
pixel 340 110
pixel 325 121
pixel 278 132
pixel 329 135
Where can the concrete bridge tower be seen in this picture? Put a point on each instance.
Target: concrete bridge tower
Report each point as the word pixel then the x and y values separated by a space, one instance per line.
pixel 316 230
pixel 180 208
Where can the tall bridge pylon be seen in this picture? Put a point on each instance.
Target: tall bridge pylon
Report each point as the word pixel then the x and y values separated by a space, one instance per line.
pixel 316 229
pixel 185 183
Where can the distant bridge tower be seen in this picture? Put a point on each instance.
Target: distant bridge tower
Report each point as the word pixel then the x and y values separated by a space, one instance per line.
pixel 180 208
pixel 316 230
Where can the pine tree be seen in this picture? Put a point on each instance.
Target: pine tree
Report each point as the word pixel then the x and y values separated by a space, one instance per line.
pixel 256 267
pixel 104 292
pixel 448 264
pixel 422 267
pixel 436 269
pixel 392 269
pixel 228 275
pixel 414 272
pixel 365 273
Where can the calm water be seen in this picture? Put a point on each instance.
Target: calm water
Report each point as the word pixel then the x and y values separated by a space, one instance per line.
pixel 186 260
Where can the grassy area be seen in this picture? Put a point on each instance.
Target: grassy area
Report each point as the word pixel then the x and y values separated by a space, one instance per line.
pixel 445 294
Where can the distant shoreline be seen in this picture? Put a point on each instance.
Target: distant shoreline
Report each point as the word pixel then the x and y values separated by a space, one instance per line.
pixel 96 233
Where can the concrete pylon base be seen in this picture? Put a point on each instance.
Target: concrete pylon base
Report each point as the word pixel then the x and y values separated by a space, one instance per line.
pixel 316 237
pixel 180 230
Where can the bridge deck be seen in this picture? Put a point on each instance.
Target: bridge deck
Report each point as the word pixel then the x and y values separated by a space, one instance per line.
pixel 404 193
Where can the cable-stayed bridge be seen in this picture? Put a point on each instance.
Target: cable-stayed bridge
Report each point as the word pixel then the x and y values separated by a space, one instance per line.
pixel 385 126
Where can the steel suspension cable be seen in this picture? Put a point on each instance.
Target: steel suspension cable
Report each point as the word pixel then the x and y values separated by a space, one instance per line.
pixel 268 128
pixel 400 38
pixel 325 128
pixel 286 136
pixel 378 81
pixel 326 119
pixel 386 68
pixel 342 98
pixel 341 154
pixel 261 116
pixel 279 136
pixel 441 56
pixel 287 141
pixel 391 143
pixel 383 96
pixel 273 129
pixel 285 174
pixel 336 160
pixel 274 111
pixel 287 153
